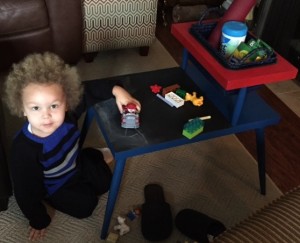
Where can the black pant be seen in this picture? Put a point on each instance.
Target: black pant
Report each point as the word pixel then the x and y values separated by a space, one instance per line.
pixel 79 196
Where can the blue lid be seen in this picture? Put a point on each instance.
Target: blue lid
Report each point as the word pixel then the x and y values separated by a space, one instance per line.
pixel 235 28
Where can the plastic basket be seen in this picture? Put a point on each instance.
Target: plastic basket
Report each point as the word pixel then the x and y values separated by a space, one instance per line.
pixel 201 32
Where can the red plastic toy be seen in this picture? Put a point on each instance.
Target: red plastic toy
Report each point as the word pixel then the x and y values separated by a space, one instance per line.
pixel 130 116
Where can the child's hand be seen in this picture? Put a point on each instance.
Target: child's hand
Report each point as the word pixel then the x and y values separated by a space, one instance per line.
pixel 124 98
pixel 35 234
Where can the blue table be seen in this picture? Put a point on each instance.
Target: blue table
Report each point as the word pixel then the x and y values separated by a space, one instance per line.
pixel 161 125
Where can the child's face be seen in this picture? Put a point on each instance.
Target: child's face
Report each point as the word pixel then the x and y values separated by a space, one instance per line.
pixel 44 106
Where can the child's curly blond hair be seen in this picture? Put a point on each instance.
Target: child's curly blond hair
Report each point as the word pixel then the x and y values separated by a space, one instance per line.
pixel 45 68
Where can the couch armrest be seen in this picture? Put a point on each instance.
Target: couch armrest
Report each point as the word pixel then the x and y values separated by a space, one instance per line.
pixel 276 222
pixel 65 18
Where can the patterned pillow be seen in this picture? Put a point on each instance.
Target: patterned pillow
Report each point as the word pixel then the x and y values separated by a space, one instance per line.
pixel 116 24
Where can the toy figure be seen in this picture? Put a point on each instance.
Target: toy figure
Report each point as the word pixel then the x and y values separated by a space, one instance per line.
pixel 130 116
pixel 193 98
pixel 122 227
pixel 134 213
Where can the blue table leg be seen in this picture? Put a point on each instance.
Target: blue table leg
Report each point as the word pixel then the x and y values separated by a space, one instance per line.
pixel 261 159
pixel 237 109
pixel 238 105
pixel 185 58
pixel 112 196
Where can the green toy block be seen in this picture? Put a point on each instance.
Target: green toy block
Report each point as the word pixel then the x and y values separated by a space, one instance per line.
pixel 192 128
pixel 181 93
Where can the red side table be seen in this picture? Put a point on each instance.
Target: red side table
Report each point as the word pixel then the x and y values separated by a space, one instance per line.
pixel 228 79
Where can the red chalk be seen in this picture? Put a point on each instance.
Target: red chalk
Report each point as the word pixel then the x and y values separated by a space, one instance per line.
pixel 237 11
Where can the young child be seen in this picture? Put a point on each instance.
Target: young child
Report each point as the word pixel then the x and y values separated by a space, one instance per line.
pixel 46 162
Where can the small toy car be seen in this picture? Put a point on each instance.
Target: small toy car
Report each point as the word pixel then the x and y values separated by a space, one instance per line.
pixel 130 116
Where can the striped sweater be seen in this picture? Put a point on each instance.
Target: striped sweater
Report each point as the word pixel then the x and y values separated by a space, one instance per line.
pixel 40 167
pixel 58 157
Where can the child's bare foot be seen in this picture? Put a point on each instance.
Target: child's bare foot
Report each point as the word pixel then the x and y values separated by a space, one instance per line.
pixel 107 155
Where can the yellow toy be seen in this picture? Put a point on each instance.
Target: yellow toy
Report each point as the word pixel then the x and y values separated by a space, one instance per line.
pixel 112 238
pixel 193 98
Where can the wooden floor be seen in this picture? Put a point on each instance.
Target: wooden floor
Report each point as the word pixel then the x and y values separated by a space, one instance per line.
pixel 282 141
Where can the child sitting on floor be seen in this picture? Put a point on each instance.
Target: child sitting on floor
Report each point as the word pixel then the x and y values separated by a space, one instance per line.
pixel 46 161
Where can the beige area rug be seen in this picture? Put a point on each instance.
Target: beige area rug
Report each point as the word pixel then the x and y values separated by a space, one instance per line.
pixel 217 177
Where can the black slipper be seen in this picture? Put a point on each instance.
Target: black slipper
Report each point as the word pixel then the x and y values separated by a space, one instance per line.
pixel 198 226
pixel 157 223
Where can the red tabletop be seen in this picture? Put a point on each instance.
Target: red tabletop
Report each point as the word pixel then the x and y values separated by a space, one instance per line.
pixel 230 79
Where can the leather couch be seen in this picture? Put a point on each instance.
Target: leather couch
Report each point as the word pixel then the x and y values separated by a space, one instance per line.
pixel 186 10
pixel 279 221
pixel 5 184
pixel 28 26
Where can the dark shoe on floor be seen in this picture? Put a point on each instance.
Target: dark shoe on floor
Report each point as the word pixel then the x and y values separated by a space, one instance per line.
pixel 157 222
pixel 198 226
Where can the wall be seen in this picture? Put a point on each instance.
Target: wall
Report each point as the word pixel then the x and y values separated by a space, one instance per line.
pixel 281 26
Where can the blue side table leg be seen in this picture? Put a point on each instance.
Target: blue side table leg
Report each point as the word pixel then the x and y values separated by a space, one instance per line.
pixel 261 159
pixel 112 196
pixel 185 58
pixel 238 105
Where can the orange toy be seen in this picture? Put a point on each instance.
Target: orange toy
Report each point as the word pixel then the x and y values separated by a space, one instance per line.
pixel 193 98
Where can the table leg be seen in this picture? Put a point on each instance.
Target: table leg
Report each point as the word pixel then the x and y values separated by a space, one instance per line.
pixel 238 106
pixel 185 58
pixel 261 159
pixel 112 196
